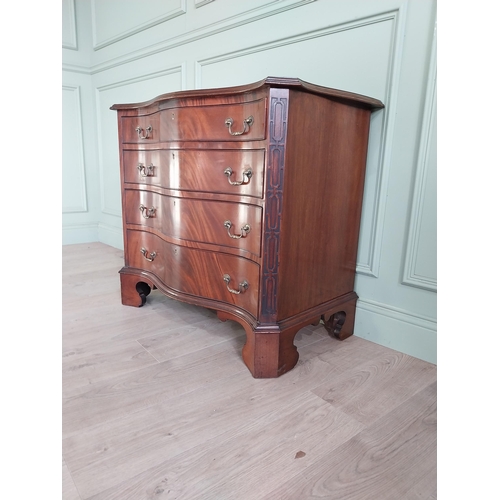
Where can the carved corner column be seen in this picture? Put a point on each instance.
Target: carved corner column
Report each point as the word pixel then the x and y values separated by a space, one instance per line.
pixel 270 351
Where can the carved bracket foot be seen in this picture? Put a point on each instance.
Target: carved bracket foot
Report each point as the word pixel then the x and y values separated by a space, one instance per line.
pixel 340 323
pixel 134 290
pixel 334 323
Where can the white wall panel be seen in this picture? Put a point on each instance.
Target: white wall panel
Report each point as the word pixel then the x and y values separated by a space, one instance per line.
pixel 69 40
pixel 420 261
pixel 74 197
pixel 114 20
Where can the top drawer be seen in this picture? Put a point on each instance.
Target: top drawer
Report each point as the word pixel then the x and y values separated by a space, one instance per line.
pixel 141 129
pixel 228 122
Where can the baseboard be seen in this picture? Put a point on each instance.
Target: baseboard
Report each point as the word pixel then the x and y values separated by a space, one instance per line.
pixel 80 233
pixel 89 233
pixel 111 235
pixel 397 329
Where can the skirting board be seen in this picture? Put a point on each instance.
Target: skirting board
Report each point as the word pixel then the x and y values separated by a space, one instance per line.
pixel 109 235
pixel 397 330
pixel 81 233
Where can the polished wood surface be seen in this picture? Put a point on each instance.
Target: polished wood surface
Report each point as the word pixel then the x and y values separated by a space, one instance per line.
pixel 286 235
pixel 207 123
pixel 196 219
pixel 322 201
pixel 158 404
pixel 184 272
pixel 197 170
pixel 228 92
pixel 143 122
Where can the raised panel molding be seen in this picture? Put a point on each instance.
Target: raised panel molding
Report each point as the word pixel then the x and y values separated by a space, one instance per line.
pixel 246 17
pixel 201 3
pixel 106 207
pixel 176 10
pixel 422 191
pixel 73 171
pixel 376 212
pixel 69 40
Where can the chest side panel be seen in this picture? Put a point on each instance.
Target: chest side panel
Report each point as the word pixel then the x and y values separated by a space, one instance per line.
pixel 326 151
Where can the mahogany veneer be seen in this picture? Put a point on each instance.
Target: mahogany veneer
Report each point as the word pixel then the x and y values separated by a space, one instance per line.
pixel 247 200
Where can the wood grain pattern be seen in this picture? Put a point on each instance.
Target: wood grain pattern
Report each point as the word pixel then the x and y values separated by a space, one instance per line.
pixel 385 460
pixel 195 425
pixel 324 179
pixel 196 220
pixel 207 123
pixel 197 170
pixel 195 272
pixel 299 222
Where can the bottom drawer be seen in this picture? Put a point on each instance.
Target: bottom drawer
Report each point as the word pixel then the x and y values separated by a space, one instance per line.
pixel 196 272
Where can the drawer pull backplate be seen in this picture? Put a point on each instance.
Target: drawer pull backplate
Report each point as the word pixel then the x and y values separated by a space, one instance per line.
pixel 247 123
pixel 147 213
pixel 151 257
pixel 246 176
pixel 244 230
pixel 139 131
pixel 146 171
pixel 242 287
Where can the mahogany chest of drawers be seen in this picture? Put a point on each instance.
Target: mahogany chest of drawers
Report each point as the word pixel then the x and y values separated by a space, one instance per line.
pixel 247 200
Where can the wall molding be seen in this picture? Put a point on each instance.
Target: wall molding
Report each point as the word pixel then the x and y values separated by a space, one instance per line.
pixel 110 235
pixel 79 233
pixel 116 84
pixel 79 154
pixel 201 3
pixel 398 314
pixel 410 275
pixel 71 42
pixel 398 329
pixel 246 17
pixel 397 17
pixel 167 16
pixel 75 68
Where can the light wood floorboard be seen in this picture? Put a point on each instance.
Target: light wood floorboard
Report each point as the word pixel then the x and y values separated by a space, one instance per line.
pixel 157 404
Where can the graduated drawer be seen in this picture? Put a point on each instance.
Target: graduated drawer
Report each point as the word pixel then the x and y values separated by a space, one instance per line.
pixel 211 123
pixel 141 129
pixel 198 170
pixel 196 220
pixel 196 272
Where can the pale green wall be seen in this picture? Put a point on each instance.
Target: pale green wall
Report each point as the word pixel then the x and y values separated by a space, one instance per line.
pixel 121 51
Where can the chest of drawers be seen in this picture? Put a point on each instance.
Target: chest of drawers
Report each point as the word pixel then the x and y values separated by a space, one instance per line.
pixel 247 200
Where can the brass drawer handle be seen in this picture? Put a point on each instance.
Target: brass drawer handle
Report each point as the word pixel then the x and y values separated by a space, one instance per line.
pixel 246 176
pixel 242 287
pixel 145 255
pixel 139 130
pixel 146 171
pixel 244 230
pixel 247 123
pixel 147 213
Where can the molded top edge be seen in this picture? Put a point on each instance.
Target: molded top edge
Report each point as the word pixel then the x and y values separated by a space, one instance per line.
pixel 270 81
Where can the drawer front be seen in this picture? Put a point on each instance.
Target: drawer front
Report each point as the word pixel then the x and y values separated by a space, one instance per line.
pixel 228 122
pixel 237 172
pixel 197 220
pixel 196 272
pixel 141 129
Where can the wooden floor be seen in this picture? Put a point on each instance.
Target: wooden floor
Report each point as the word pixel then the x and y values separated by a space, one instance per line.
pixel 157 404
